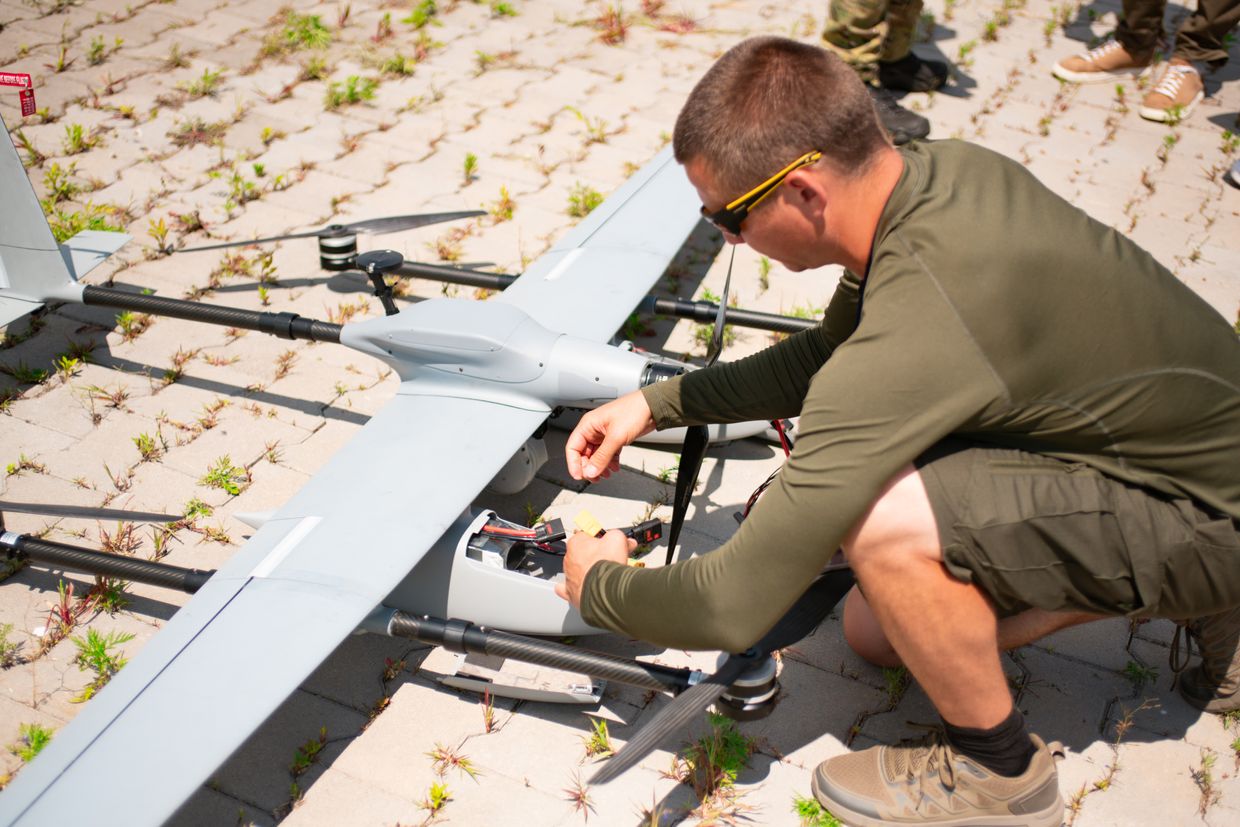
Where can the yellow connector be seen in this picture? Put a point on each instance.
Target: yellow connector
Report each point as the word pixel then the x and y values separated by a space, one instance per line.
pixel 587 522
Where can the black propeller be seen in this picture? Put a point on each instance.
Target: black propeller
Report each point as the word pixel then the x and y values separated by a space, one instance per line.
pixel 804 616
pixel 697 437
pixel 375 226
pixel 89 513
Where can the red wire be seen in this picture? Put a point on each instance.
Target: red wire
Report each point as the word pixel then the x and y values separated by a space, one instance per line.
pixel 783 439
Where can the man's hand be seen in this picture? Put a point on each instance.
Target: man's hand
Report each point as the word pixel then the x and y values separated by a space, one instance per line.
pixel 583 552
pixel 593 448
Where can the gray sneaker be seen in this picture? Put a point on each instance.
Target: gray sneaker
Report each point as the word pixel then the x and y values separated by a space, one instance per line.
pixel 925 781
pixel 1214 684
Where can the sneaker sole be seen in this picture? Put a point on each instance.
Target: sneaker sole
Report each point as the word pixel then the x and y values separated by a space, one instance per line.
pixel 1097 77
pixel 1050 817
pixel 1151 113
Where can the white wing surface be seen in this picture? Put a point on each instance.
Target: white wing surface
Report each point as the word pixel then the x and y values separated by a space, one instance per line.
pixel 267 619
pixel 589 283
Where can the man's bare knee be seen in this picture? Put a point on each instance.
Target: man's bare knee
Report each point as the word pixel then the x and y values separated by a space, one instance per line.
pixel 864 635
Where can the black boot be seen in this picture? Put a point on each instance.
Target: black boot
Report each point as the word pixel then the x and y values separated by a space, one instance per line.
pixel 912 74
pixel 902 125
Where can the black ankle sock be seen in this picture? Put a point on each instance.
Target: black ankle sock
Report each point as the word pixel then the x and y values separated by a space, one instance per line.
pixel 1005 749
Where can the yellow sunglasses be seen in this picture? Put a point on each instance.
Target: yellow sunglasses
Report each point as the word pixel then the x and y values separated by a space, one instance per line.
pixel 729 219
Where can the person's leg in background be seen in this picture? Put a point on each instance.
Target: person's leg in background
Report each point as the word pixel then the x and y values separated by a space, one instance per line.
pixel 875 37
pixel 1128 52
pixel 1198 43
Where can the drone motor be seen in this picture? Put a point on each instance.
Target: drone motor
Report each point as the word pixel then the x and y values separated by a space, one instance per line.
pixel 337 248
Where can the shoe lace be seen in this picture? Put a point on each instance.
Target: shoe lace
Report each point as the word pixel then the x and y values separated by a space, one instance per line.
pixel 1169 85
pixel 1182 631
pixel 929 755
pixel 1101 51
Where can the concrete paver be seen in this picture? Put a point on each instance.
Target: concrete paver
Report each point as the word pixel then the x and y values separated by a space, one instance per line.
pixel 500 87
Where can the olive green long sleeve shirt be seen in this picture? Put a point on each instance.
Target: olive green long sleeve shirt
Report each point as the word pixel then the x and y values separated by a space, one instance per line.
pixel 992 309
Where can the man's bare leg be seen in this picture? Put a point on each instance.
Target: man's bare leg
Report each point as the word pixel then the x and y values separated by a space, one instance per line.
pixel 865 636
pixel 945 631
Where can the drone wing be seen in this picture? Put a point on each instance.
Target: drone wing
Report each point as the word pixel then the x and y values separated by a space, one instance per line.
pixel 267 619
pixel 589 283
pixel 331 555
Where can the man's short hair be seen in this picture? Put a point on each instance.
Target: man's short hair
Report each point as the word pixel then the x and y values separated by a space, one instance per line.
pixel 768 101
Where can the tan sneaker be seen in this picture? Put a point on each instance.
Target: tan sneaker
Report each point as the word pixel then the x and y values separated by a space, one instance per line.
pixel 1214 684
pixel 1177 92
pixel 925 781
pixel 1108 62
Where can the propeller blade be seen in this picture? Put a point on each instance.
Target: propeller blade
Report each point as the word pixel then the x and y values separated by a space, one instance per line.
pixel 396 223
pixel 809 610
pixel 248 241
pixel 692 452
pixel 90 513
pixel 716 336
pixel 686 707
pixel 391 224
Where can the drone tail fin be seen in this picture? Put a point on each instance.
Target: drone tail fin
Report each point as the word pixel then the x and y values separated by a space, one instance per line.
pixel 34 267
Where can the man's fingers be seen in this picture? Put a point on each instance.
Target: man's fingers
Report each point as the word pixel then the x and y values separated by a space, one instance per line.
pixel 605 458
pixel 561 590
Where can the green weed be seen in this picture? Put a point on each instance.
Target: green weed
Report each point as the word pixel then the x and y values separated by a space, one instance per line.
pixel 398 65
pixel 204 86
pixel 77 140
pixel 502 208
pixel 612 25
pixel 470 168
pixel 445 758
pixel 300 31
pixel 176 59
pixel 59 185
pixel 10 651
pixel 33 739
pixel 582 200
pixel 812 814
pixel 422 15
pixel 95 654
pixel 150 448
pixel 23 464
pixel 25 374
pixel 436 797
pixel 67 366
pixel 132 325
pixel 715 760
pixel 226 477
pixel 109 595
pixel 764 273
pixel 308 753
pixel 315 68
pixel 598 742
pixel 196 131
pixel 355 89
pixel 66 224
pixel 1139 674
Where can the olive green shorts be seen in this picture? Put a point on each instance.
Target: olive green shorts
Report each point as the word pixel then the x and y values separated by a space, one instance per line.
pixel 1036 532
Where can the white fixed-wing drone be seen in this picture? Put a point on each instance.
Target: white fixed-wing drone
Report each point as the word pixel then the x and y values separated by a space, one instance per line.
pixel 496 370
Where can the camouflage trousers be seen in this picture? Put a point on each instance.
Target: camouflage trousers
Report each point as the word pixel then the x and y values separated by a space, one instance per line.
pixel 863 32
